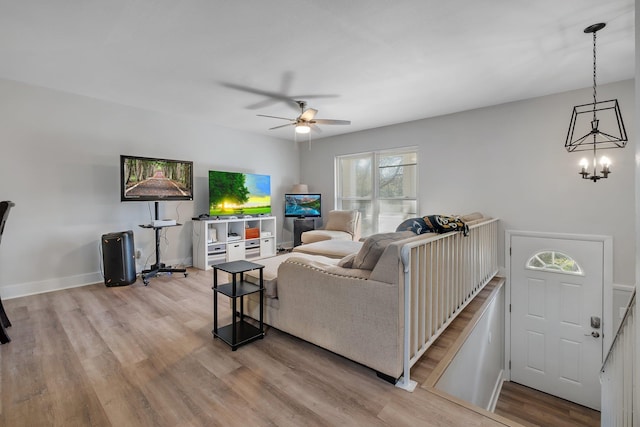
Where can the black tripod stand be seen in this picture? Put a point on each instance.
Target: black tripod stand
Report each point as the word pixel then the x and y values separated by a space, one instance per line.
pixel 159 267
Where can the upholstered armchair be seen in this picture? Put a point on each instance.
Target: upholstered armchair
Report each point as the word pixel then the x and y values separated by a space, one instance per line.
pixel 340 225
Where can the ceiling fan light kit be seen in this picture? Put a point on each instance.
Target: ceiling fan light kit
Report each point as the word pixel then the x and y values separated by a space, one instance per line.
pixel 303 128
pixel 584 129
pixel 306 120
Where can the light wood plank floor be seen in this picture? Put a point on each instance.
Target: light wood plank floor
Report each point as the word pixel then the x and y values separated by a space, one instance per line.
pixel 144 356
pixel 534 408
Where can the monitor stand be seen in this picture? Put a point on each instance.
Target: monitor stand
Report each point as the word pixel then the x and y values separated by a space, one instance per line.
pixel 300 225
pixel 159 267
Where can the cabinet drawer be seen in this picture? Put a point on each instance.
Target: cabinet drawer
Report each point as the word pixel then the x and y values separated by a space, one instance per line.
pixel 216 248
pixel 235 251
pixel 252 244
pixel 268 247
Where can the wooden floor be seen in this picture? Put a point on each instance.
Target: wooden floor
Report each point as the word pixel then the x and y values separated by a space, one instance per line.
pixel 144 356
pixel 535 408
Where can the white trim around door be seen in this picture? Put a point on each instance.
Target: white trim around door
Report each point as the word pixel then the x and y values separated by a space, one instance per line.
pixel 607 297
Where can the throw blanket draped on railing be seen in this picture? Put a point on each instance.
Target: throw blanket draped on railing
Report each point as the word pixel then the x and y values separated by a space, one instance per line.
pixel 434 224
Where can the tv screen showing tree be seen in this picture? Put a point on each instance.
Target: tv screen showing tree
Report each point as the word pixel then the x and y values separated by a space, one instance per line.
pixel 153 179
pixel 236 193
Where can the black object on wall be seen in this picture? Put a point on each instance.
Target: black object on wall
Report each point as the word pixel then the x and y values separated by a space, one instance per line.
pixel 118 258
pixel 5 207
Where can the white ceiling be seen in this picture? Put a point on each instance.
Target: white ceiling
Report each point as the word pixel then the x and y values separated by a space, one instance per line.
pixel 382 61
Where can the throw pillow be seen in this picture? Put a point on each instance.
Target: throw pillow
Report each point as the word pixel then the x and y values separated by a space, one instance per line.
pixel 347 261
pixel 373 247
pixel 471 217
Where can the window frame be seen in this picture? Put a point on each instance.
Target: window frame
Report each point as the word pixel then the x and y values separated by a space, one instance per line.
pixel 553 267
pixel 374 170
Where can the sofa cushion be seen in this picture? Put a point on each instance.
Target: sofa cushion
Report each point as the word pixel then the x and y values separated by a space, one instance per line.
pixel 374 246
pixel 270 271
pixel 330 248
pixel 471 217
pixel 313 236
pixel 477 221
pixel 269 274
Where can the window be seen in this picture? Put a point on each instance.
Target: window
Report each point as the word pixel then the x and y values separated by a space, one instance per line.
pixel 381 185
pixel 555 262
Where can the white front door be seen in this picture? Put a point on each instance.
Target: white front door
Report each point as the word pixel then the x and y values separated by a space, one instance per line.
pixel 556 305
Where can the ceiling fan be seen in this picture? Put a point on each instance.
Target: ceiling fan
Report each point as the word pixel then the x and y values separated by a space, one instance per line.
pixel 306 120
pixel 273 97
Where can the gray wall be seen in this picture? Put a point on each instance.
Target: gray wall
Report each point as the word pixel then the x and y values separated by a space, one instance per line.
pixel 508 161
pixel 60 165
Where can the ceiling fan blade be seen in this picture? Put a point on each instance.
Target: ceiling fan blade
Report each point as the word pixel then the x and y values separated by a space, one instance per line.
pixel 314 96
pixel 276 117
pixel 315 128
pixel 269 94
pixel 308 114
pixel 332 122
pixel 262 104
pixel 273 97
pixel 281 126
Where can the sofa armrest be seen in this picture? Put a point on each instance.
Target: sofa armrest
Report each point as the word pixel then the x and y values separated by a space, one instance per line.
pixel 318 300
pixel 332 269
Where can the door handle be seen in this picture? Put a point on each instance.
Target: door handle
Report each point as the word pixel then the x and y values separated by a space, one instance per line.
pixel 594 334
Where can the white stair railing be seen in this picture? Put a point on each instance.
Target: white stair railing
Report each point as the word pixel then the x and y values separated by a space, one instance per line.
pixel 617 373
pixel 442 275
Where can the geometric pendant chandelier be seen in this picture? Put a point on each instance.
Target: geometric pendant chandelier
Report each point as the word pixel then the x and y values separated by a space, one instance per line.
pixel 585 131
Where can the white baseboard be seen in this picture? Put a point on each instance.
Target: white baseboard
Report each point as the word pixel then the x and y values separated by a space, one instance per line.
pixel 56 284
pixel 49 285
pixel 496 392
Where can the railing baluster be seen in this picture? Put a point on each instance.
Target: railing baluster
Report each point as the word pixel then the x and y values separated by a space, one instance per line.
pixel 618 370
pixel 444 273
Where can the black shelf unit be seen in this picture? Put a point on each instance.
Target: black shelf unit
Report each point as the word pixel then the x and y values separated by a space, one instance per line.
pixel 239 331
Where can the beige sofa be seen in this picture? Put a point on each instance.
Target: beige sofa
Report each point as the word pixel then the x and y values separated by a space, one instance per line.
pixel 355 312
pixel 351 306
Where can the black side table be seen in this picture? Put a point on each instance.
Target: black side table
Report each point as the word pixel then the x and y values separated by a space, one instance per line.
pixel 239 332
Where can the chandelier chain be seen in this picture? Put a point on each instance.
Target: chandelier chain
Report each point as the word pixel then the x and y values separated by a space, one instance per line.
pixel 594 71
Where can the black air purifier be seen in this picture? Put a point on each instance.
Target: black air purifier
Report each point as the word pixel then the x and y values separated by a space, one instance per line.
pixel 118 258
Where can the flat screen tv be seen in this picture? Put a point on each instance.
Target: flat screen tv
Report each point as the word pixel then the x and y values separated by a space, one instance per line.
pixel 153 179
pixel 302 205
pixel 236 193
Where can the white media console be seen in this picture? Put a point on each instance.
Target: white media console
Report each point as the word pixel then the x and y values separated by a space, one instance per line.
pixel 231 239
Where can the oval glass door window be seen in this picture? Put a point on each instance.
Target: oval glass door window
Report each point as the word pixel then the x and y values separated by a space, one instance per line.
pixel 554 262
